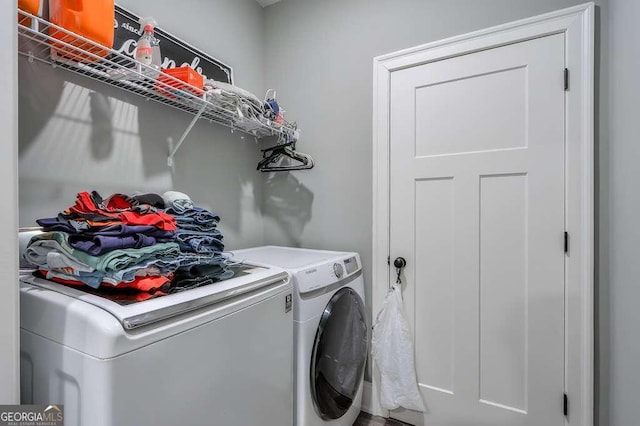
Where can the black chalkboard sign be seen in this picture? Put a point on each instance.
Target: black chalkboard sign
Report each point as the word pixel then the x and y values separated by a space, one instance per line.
pixel 175 52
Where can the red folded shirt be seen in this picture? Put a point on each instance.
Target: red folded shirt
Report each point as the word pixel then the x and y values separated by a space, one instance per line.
pixel 121 207
pixel 149 284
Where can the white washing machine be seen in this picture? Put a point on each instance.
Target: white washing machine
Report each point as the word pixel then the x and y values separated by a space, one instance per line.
pixel 215 355
pixel 331 331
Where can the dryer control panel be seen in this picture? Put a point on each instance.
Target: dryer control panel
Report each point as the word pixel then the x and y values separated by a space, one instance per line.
pixel 351 265
pixel 326 274
pixel 338 270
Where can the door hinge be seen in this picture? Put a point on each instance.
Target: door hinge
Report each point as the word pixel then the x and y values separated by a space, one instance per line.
pixel 566 242
pixel 566 79
pixel 389 260
pixel 565 405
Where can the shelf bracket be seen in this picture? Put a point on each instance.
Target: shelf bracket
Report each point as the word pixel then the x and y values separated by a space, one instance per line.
pixel 184 134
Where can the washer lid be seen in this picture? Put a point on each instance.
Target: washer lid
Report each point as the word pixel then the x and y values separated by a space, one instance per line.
pixel 286 257
pixel 134 315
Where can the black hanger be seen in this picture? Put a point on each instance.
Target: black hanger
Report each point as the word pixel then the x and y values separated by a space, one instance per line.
pixel 271 157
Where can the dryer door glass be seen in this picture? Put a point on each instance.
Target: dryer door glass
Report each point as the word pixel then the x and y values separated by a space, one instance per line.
pixel 339 354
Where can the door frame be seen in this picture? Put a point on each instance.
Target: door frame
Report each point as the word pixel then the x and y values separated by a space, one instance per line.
pixel 578 25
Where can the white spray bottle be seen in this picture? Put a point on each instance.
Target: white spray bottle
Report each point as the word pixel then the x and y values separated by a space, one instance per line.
pixel 147 54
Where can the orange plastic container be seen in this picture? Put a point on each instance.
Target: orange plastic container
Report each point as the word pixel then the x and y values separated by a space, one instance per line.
pixel 193 79
pixel 92 19
pixel 29 6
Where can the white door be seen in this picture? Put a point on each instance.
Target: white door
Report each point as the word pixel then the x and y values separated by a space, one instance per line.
pixel 477 210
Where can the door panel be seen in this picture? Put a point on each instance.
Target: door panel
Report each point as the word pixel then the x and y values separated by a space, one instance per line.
pixel 477 209
pixel 438 131
pixel 434 240
pixel 503 295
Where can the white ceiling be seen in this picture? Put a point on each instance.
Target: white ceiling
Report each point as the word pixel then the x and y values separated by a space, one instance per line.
pixel 265 3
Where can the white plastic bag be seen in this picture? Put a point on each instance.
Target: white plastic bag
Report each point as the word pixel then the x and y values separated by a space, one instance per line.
pixel 392 350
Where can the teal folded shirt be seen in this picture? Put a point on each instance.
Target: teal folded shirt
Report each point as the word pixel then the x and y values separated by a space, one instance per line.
pixel 115 260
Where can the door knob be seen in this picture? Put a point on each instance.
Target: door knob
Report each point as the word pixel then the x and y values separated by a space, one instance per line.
pixel 399 262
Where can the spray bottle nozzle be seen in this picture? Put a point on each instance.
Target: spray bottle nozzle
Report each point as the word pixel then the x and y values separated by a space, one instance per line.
pixel 147 23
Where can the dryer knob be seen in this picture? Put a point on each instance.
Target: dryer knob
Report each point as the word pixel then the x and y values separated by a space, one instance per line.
pixel 337 269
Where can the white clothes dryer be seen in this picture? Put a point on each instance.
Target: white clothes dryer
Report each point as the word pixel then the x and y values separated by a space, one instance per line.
pixel 331 331
pixel 220 354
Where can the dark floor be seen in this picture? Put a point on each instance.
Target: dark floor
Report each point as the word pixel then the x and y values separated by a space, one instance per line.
pixel 365 419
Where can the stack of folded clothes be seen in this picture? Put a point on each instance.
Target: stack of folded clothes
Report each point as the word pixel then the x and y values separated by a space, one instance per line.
pixel 117 242
pixel 148 243
pixel 201 243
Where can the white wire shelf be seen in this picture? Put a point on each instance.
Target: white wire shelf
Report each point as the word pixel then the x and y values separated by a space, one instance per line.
pixel 41 40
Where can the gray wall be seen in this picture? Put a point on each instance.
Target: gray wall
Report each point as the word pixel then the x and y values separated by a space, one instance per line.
pixel 319 56
pixel 9 306
pixel 624 203
pixel 77 135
